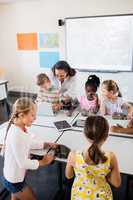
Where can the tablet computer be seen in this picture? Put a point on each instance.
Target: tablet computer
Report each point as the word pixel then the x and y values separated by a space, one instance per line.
pixel 79 123
pixel 62 151
pixel 62 125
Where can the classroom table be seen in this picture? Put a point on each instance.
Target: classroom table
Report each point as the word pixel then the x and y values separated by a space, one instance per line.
pixel 119 143
pixel 121 146
pixel 43 128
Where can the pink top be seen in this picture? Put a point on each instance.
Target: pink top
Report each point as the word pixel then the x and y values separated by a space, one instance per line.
pixel 86 104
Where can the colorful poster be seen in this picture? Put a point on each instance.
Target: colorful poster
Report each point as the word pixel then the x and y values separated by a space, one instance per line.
pixel 27 41
pixel 48 40
pixel 48 59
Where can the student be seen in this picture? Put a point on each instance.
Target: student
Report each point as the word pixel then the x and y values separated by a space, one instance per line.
pixel 17 147
pixel 120 129
pixel 90 102
pixel 65 79
pixel 93 168
pixel 47 92
pixel 112 101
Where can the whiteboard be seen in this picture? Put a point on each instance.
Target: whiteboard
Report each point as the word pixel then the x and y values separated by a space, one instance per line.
pixel 102 43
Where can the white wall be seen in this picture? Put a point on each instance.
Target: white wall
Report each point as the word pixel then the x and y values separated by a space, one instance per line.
pixel 42 16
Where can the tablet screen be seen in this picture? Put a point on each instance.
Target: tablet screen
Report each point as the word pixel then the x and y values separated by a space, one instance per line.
pixel 62 125
pixel 62 151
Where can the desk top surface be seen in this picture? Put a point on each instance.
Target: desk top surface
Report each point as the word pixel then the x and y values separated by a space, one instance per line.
pixel 47 121
pixel 75 140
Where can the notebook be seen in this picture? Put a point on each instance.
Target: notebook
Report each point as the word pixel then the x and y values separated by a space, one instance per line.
pixel 44 109
pixel 62 125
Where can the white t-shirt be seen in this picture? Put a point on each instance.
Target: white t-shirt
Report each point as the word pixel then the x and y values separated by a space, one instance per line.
pixel 17 150
pixel 112 107
pixel 68 87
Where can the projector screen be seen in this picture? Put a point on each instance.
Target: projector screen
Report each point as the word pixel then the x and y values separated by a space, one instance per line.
pixel 101 43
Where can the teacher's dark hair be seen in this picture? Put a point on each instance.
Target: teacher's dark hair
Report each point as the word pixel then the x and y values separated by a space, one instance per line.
pixel 63 65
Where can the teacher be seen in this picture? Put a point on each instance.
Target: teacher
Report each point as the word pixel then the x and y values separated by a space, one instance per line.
pixel 64 78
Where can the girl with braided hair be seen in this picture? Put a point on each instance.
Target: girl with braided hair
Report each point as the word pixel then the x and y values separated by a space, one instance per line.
pixel 17 148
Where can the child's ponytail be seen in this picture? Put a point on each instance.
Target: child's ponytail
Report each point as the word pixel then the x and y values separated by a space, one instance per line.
pixel 96 129
pixel 95 154
pixel 9 124
pixel 7 129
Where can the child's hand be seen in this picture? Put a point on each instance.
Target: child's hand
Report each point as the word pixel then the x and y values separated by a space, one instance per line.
pixel 56 107
pixel 129 116
pixel 95 97
pixel 48 145
pixel 67 99
pixel 47 159
pixel 84 112
pixel 130 124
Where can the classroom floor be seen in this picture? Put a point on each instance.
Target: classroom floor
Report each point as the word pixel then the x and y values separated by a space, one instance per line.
pixel 46 180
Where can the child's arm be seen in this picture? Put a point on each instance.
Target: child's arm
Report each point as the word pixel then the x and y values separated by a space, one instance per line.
pixel 46 160
pixel 114 177
pixel 130 124
pixel 97 104
pixel 38 98
pixel 102 107
pixel 69 172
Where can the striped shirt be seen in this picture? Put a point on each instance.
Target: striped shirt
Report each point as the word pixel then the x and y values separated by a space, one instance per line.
pixel 51 96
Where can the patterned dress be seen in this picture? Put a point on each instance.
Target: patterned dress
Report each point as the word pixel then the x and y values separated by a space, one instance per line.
pixel 90 180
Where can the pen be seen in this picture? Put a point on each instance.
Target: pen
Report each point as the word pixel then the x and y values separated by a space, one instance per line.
pixel 55 142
